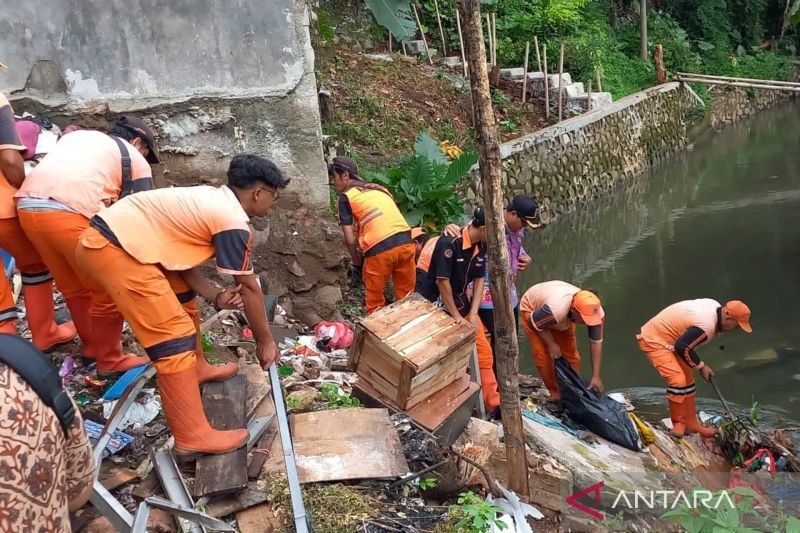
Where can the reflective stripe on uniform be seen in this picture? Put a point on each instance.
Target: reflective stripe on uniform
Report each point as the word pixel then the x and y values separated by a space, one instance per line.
pixel 36 278
pixel 682 391
pixel 9 314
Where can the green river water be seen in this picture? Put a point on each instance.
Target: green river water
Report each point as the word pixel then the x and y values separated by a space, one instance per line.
pixel 720 220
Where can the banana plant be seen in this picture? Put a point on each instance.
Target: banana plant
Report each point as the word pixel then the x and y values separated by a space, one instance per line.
pixel 395 16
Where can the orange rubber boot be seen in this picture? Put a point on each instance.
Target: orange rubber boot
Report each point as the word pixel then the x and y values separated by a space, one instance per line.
pixel 106 343
pixel 41 313
pixel 678 418
pixel 692 423
pixel 183 409
pixel 79 309
pixel 206 371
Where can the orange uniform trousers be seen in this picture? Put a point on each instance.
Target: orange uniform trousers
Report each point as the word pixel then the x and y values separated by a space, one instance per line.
pixel 29 263
pixel 145 297
pixel 491 398
pixel 678 375
pixel 566 341
pixel 396 263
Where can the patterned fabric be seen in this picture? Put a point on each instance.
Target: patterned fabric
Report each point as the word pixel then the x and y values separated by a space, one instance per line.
pixel 40 473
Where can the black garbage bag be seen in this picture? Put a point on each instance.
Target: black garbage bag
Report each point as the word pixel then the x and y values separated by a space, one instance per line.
pixel 597 412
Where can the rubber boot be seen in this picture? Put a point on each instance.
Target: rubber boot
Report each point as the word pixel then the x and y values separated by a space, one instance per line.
pixel 183 409
pixel 79 307
pixel 41 313
pixel 8 327
pixel 676 413
pixel 692 423
pixel 206 371
pixel 106 343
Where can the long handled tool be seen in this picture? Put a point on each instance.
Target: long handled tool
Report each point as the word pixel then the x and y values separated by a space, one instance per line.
pixel 721 398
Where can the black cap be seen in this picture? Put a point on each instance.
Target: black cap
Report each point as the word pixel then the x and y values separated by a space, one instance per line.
pixel 478 217
pixel 341 163
pixel 138 127
pixel 527 208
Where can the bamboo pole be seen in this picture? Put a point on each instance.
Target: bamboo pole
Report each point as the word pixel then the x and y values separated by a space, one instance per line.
pixel 546 85
pixel 525 71
pixel 597 77
pixel 643 30
pixel 422 32
pixel 589 98
pixel 441 31
pixel 489 36
pixel 740 84
pixel 507 353
pixel 538 57
pixel 729 78
pixel 390 42
pixel 494 39
pixel 405 52
pixel 461 41
pixel 561 83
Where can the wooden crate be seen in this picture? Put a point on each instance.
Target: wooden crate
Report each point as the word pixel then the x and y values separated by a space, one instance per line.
pixel 410 350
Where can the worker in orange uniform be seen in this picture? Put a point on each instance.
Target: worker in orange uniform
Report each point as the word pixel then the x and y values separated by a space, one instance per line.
pixel 670 338
pixel 384 237
pixel 550 312
pixel 454 263
pixel 37 283
pixel 86 172
pixel 133 250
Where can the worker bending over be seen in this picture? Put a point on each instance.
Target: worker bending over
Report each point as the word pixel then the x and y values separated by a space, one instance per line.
pixel 454 263
pixel 37 283
pixel 86 172
pixel 550 312
pixel 384 250
pixel 136 249
pixel 670 338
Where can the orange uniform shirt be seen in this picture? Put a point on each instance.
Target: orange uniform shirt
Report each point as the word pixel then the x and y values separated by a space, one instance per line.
pixel 549 303
pixel 671 323
pixel 181 227
pixel 84 172
pixel 8 141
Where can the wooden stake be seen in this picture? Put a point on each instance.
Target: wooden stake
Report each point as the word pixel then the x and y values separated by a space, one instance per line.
pixel 525 71
pixel 507 353
pixel 658 59
pixel 405 52
pixel 538 57
pixel 561 83
pixel 489 34
pixel 546 85
pixel 597 77
pixel 441 31
pixel 422 32
pixel 390 42
pixel 461 41
pixel 589 100
pixel 643 30
pixel 494 39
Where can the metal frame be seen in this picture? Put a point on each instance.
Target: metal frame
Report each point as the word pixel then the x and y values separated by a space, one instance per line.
pixel 173 484
pixel 476 377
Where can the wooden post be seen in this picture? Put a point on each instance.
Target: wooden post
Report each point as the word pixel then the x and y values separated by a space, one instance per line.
pixel 546 85
pixel 494 39
pixel 658 59
pixel 441 31
pixel 461 41
pixel 390 42
pixel 561 83
pixel 643 32
pixel 405 52
pixel 507 353
pixel 525 71
pixel 422 32
pixel 538 57
pixel 489 36
pixel 589 100
pixel 597 77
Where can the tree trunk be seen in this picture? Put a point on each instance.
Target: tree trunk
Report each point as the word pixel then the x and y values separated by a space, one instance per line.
pixel 507 350
pixel 643 23
pixel 658 59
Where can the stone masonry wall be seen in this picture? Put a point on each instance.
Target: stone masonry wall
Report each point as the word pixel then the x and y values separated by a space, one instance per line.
pixel 732 105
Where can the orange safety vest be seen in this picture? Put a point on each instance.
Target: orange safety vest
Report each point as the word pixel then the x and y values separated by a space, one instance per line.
pixel 375 213
pixel 426 254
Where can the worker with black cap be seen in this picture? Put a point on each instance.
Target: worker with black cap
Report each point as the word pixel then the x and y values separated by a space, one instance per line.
pixel 86 172
pixel 375 233
pixel 521 213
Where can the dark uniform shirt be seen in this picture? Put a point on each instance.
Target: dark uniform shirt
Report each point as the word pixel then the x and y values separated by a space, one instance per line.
pixel 458 260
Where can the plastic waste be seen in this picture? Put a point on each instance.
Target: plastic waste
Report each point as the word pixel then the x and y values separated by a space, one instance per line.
pixel 341 336
pixel 599 413
pixel 515 511
pixel 141 412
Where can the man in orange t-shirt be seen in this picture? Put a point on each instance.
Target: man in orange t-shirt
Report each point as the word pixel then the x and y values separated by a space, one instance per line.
pixel 37 283
pixel 549 313
pixel 669 340
pixel 86 172
pixel 137 249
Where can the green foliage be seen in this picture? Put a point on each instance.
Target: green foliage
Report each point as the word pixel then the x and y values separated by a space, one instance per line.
pixel 428 483
pixel 395 16
pixel 324 26
pixel 336 398
pixel 743 518
pixel 293 402
pixel 207 340
pixel 423 184
pixel 473 514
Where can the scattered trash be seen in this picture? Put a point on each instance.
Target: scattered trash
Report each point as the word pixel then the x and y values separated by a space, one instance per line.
pixel 118 440
pixel 517 510
pixel 67 368
pixel 141 412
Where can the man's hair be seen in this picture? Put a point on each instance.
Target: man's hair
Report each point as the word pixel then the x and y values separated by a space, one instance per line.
pixel 246 170
pixel 124 133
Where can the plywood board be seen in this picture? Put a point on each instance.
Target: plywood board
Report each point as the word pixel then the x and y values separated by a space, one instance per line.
pixel 257 386
pixel 224 403
pixel 258 519
pixel 346 444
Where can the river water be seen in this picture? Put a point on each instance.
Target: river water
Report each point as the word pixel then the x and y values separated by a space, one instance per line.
pixel 720 220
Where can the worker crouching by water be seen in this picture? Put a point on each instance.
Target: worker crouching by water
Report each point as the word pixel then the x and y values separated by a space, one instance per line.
pixel 446 266
pixel 373 226
pixel 670 338
pixel 550 312
pixel 146 249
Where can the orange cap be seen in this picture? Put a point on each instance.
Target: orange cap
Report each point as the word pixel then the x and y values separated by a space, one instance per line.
pixel 738 310
pixel 417 232
pixel 587 304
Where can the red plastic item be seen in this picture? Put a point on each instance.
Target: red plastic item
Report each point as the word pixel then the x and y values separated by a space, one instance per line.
pixel 340 333
pixel 247 334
